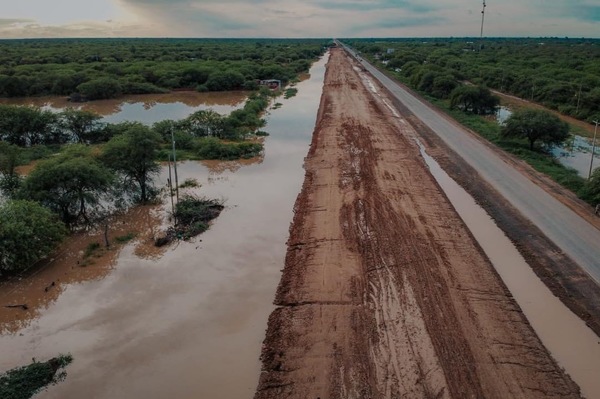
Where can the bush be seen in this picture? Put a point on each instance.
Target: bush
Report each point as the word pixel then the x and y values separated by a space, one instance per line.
pixel 25 382
pixel 28 233
pixel 101 88
pixel 213 148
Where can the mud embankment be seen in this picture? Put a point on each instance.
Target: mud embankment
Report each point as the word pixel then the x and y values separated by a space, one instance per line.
pixel 385 292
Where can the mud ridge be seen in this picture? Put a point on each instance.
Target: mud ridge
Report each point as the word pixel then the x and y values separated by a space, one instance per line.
pixel 385 293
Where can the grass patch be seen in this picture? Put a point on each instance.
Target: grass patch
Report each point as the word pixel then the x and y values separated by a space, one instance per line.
pixel 190 182
pixel 277 105
pixel 24 382
pixel 91 249
pixel 289 93
pixel 125 238
pixel 261 133
pixel 213 148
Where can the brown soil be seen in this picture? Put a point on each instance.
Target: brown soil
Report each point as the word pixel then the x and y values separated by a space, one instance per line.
pixel 44 283
pixel 385 293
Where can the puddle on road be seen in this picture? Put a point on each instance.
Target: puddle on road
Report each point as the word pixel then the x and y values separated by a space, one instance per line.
pixel 191 323
pixel 574 346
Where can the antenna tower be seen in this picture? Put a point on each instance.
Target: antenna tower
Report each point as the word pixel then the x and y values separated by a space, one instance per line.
pixel 482 19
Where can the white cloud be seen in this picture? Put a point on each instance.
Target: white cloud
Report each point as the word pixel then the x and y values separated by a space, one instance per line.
pixel 298 18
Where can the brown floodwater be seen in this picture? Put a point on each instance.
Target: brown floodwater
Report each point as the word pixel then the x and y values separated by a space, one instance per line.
pixel 145 108
pixel 188 323
pixel 573 345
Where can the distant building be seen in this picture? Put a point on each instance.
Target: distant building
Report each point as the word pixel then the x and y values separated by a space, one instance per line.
pixel 390 50
pixel 272 84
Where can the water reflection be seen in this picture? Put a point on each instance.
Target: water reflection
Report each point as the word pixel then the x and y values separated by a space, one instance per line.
pixel 145 108
pixel 190 324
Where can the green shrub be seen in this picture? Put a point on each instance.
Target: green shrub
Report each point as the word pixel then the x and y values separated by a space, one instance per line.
pixel 24 382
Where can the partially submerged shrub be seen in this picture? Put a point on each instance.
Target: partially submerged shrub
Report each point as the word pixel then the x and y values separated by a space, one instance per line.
pixel 24 382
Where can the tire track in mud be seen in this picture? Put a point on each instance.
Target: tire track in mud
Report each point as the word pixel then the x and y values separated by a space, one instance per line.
pixel 385 293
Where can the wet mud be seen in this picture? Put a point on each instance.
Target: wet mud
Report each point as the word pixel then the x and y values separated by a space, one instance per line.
pixel 385 292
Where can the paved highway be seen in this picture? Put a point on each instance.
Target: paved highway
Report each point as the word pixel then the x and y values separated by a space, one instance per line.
pixel 572 234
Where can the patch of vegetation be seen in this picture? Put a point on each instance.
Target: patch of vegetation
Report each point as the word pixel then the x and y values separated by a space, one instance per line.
pixel 28 233
pixel 91 249
pixel 261 133
pixel 193 215
pixel 277 105
pixel 24 382
pixel 125 238
pixel 212 148
pixel 190 182
pixel 289 93
pixel 561 74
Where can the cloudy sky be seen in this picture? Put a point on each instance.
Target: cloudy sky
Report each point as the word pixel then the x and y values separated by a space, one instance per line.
pixel 296 18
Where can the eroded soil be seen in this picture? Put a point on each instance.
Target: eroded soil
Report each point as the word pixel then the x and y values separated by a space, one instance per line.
pixel 385 293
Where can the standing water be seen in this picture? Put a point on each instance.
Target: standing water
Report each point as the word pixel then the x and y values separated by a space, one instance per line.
pixel 189 324
pixel 574 346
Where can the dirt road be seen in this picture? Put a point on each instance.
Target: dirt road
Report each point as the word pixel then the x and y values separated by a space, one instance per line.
pixel 385 293
pixel 577 236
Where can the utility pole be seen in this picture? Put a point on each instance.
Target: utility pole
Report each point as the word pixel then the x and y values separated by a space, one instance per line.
pixel 579 97
pixel 593 149
pixel 175 167
pixel 482 20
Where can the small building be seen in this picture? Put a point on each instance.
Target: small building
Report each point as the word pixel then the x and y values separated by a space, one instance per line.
pixel 272 84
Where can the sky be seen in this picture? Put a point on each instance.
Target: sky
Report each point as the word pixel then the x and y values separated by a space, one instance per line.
pixel 297 18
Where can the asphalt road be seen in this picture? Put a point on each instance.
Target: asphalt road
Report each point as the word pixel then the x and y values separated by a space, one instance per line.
pixel 572 234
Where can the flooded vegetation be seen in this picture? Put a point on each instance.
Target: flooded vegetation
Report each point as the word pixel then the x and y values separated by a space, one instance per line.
pixel 575 153
pixel 195 314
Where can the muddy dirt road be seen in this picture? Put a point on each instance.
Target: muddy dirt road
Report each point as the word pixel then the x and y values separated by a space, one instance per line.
pixel 385 293
pixel 573 230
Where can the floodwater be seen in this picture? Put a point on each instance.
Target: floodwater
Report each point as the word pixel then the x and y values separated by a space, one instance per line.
pixel 574 345
pixel 145 108
pixel 188 324
pixel 576 153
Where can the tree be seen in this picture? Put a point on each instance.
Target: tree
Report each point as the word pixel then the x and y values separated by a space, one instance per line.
pixel 204 123
pixel 536 125
pixel 101 88
pixel 476 99
pixel 83 125
pixel 28 126
pixel 227 80
pixel 133 154
pixel 9 160
pixel 72 184
pixel 28 233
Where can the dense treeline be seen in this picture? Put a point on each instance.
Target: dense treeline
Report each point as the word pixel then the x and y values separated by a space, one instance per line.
pixel 107 68
pixel 562 74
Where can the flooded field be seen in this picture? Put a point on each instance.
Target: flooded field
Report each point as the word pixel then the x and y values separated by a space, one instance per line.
pixel 572 344
pixel 189 323
pixel 145 108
